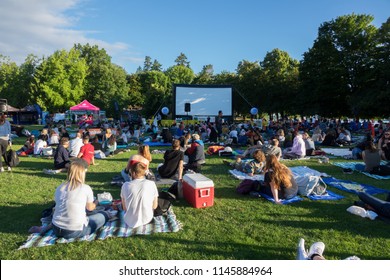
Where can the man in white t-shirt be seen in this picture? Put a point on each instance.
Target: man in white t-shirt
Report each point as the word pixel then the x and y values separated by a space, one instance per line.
pixel 75 145
pixel 139 197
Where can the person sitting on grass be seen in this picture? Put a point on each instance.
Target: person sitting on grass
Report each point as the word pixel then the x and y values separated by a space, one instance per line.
pixel 279 180
pixel 139 197
pixel 61 158
pixel 72 199
pixel 28 147
pixel 87 151
pixel 143 156
pixel 173 162
pixel 196 155
pixel 371 156
pixel 298 149
pixel 250 167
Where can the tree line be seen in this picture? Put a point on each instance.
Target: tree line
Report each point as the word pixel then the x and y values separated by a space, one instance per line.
pixel 345 73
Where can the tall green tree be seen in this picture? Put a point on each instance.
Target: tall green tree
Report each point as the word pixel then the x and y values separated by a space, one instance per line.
pixel 136 98
pixel 9 72
pixel 280 80
pixel 59 81
pixel 205 76
pixel 180 74
pixel 105 81
pixel 182 60
pixel 248 87
pixel 334 71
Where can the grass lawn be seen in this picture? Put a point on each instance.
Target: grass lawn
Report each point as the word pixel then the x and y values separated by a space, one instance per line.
pixel 237 227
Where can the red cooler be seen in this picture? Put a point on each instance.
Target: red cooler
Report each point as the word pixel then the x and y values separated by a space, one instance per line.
pixel 198 190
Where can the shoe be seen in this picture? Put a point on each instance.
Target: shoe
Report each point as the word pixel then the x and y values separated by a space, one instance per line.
pixel 9 168
pixel 48 172
pixel 2 169
pixel 301 250
pixel 316 248
pixel 226 162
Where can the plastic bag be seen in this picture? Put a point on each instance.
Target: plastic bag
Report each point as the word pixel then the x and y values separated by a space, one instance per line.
pixel 356 210
pixel 104 198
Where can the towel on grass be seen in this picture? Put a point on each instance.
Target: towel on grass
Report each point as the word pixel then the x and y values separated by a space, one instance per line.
pixel 306 171
pixel 328 196
pixel 241 175
pixel 352 187
pixel 157 144
pixel 354 165
pixel 338 152
pixel 284 201
pixel 116 228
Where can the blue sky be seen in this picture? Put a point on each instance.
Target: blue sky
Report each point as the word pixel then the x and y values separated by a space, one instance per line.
pixel 217 32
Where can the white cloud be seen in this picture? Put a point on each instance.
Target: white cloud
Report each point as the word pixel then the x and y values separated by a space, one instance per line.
pixel 41 27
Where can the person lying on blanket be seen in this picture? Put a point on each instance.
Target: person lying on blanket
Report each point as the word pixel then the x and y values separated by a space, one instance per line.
pixel 72 198
pixel 139 197
pixel 372 203
pixel 279 181
pixel 250 167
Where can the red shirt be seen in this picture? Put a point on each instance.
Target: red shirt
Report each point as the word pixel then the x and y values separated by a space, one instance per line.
pixel 88 152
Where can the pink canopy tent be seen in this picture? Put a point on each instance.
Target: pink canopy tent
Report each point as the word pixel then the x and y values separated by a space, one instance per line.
pixel 85 106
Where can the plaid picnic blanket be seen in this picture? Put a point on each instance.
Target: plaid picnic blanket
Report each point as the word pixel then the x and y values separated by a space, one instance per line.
pixel 116 228
pixel 353 165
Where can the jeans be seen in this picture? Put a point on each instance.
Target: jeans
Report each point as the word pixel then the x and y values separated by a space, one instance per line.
pixel 380 207
pixel 96 221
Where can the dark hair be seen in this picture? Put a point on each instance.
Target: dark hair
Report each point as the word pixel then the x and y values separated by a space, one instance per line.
pixel 86 137
pixel 64 140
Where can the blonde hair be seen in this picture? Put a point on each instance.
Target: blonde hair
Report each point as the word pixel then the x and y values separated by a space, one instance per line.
pixel 144 151
pixel 76 174
pixel 281 174
pixel 139 169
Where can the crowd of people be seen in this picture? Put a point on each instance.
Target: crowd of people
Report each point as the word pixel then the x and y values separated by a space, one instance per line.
pixel 266 144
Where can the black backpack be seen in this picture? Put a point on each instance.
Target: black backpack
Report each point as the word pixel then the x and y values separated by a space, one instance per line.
pixel 12 158
pixel 165 200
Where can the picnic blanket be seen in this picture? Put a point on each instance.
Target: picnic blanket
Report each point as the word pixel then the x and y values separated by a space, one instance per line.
pixel 354 165
pixel 156 144
pixel 116 228
pixel 241 175
pixel 338 152
pixel 352 187
pixel 284 201
pixel 328 196
pixel 305 171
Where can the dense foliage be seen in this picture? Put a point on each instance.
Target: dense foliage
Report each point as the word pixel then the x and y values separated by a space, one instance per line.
pixel 344 73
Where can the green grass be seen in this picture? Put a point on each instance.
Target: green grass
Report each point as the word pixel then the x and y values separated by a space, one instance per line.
pixel 236 227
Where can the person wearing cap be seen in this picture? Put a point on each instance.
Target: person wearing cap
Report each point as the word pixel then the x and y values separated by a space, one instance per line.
pixel 195 153
pixel 5 139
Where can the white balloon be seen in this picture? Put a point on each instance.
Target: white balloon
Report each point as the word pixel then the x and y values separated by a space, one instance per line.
pixel 254 111
pixel 165 110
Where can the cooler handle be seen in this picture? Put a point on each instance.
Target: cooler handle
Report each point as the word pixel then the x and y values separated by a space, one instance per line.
pixel 204 192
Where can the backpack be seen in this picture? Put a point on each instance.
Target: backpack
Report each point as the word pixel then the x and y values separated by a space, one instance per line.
pixel 310 185
pixel 12 158
pixel 165 200
pixel 247 185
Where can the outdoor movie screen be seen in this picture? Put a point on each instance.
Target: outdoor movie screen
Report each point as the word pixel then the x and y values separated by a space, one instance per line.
pixel 205 100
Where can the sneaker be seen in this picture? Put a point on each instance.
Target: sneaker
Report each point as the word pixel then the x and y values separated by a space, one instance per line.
pixel 316 248
pixel 301 250
pixel 9 168
pixel 2 169
pixel 48 172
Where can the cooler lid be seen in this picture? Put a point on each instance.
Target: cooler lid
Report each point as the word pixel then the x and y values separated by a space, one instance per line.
pixel 198 180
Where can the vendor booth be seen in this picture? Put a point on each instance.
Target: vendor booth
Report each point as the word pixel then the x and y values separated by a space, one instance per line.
pixel 85 113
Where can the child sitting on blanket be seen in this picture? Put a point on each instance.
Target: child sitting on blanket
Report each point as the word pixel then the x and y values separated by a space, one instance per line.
pixel 279 181
pixel 251 167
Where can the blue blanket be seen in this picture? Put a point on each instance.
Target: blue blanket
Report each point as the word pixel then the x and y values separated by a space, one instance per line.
pixel 116 228
pixel 157 144
pixel 284 201
pixel 328 196
pixel 356 166
pixel 352 187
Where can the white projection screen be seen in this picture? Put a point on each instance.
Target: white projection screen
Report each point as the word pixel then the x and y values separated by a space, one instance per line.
pixel 205 100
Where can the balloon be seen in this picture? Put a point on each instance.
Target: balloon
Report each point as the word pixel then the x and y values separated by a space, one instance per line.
pixel 165 110
pixel 254 111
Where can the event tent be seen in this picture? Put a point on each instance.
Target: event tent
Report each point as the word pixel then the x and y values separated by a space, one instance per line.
pixel 85 106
